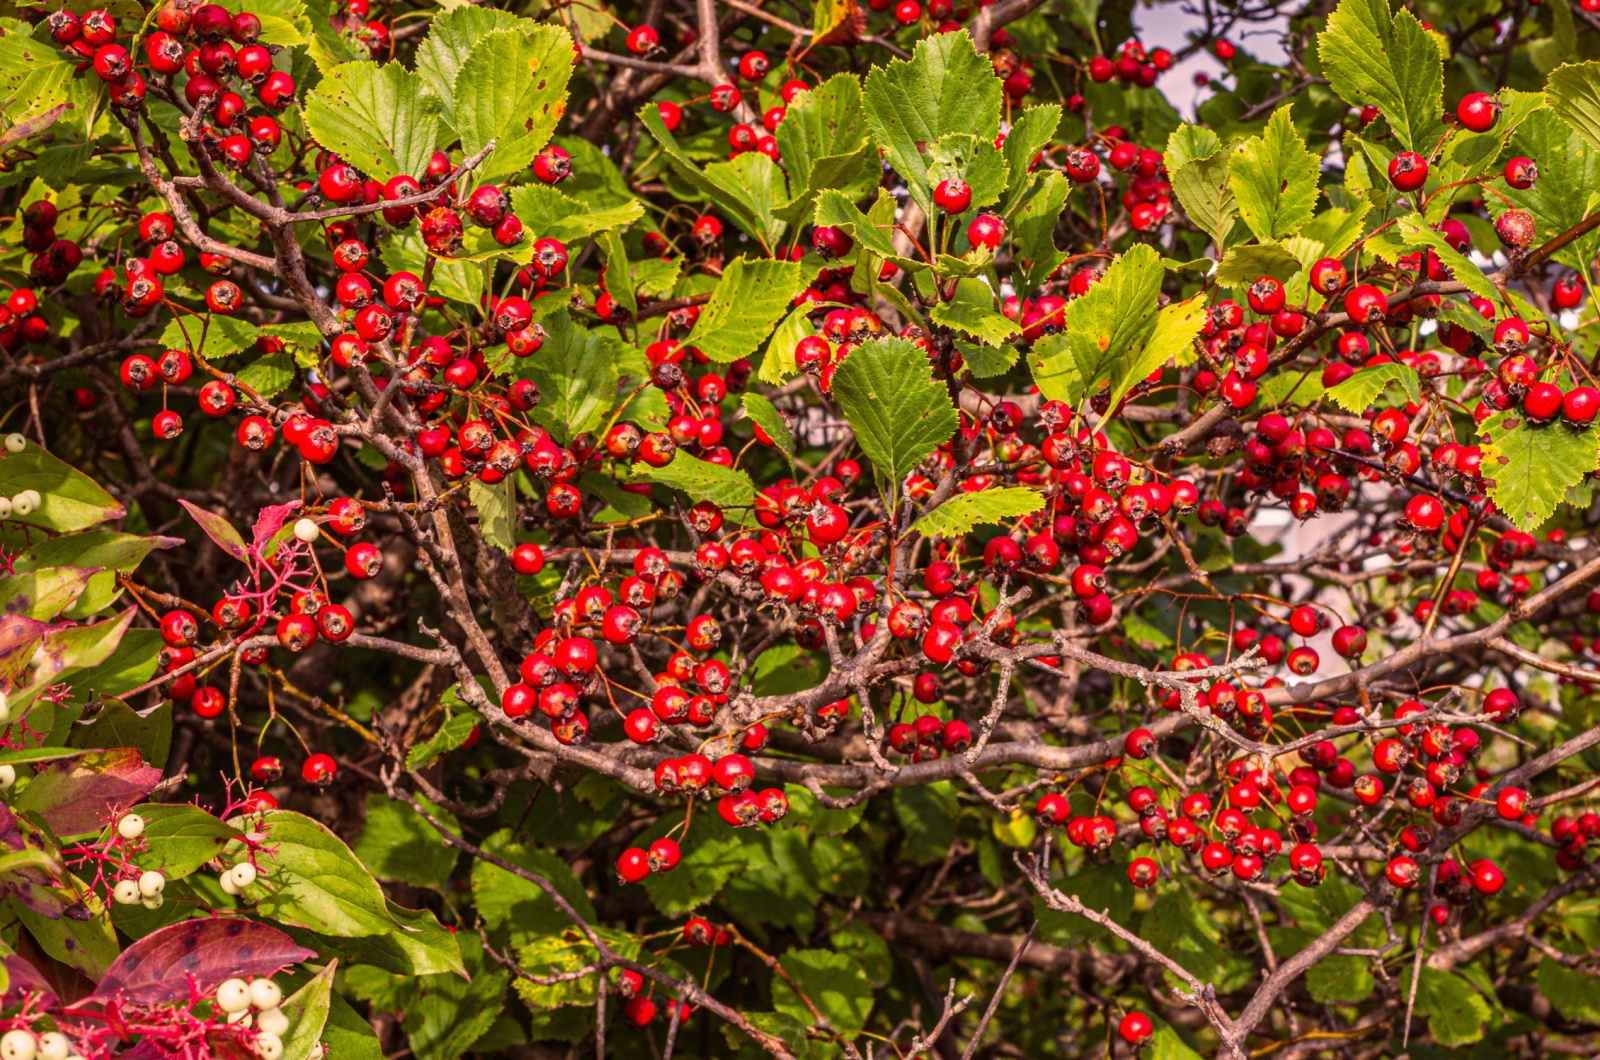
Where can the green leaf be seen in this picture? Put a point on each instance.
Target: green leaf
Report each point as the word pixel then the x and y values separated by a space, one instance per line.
pixel 946 87
pixel 268 376
pixel 117 725
pixel 216 338
pixel 972 310
pixel 836 209
pixel 497 509
pixel 963 511
pixel 1245 265
pixel 765 414
pixel 702 480
pixel 1341 979
pixel 420 945
pixel 1102 327
pixel 396 843
pixel 1167 1044
pixel 1031 132
pixel 307 1009
pixel 1033 229
pixel 1575 994
pixel 1177 326
pixel 1206 194
pixel 1562 43
pixel 621 504
pixel 1419 233
pixel 505 899
pixel 825 121
pixel 1388 60
pixel 749 300
pixel 89 945
pixel 566 951
pixel 1274 179
pixel 1529 468
pixel 66 651
pixel 451 35
pixel 450 1011
pixel 1456 1012
pixel 778 364
pixel 760 183
pixel 70 500
pixel 975 161
pixel 833 981
pixel 380 118
pixel 512 89
pixel 576 370
pixel 44 594
pixel 723 186
pixel 1569 172
pixel 1358 393
pixel 898 411
pixel 312 880
pixel 179 838
pixel 1190 143
pixel 1573 92
pixel 451 735
pixel 548 213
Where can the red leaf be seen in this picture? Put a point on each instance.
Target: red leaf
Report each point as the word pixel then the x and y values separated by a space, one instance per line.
pixel 25 979
pixel 219 530
pixel 77 795
pixel 269 522
pixel 158 967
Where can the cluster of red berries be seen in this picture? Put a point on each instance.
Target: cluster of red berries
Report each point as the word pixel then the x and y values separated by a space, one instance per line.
pixel 20 319
pixel 54 259
pixel 1133 66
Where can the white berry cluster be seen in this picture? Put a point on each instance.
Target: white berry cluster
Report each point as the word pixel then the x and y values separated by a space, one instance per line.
pixel 255 1004
pixel 146 888
pixel 25 1045
pixel 26 502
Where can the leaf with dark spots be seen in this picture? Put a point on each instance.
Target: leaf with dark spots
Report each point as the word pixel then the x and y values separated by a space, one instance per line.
pixel 78 795
pixel 159 967
pixel 19 635
pixel 25 979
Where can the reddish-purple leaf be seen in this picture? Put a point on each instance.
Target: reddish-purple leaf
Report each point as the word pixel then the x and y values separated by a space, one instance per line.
pixel 159 966
pixel 32 127
pixel 19 636
pixel 269 522
pixel 78 795
pixel 219 530
pixel 33 885
pixel 25 979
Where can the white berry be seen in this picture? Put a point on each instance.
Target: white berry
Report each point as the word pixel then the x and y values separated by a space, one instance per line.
pixel 25 503
pixel 5 507
pixel 131 826
pixel 151 883
pixel 126 892
pixel 15 443
pixel 233 995
pixel 18 1045
pixel 53 1045
pixel 272 1021
pixel 244 874
pixel 8 777
pixel 265 994
pixel 269 1046
pixel 306 530
pixel 154 902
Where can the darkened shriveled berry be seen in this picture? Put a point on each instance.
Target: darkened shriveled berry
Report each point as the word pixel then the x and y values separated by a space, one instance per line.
pixel 1516 229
